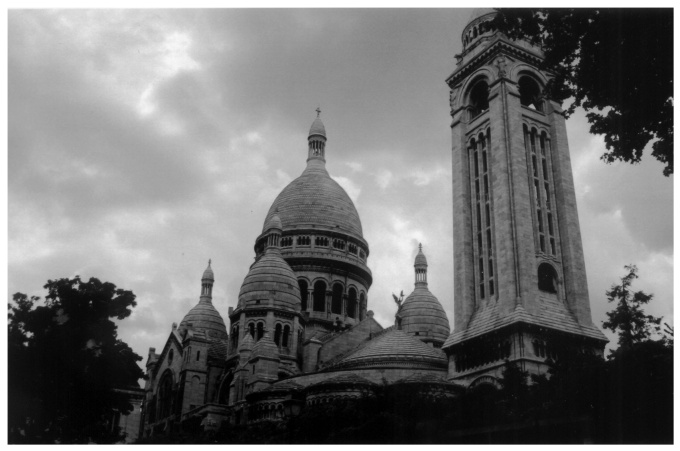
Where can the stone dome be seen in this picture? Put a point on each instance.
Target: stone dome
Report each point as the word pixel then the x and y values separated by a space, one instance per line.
pixel 317 128
pixel 422 313
pixel 208 273
pixel 315 200
pixel 270 274
pixel 420 258
pixel 205 317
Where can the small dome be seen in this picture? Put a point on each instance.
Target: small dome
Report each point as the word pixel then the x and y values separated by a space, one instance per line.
pixel 317 127
pixel 208 273
pixel 205 317
pixel 420 258
pixel 270 274
pixel 274 222
pixel 422 313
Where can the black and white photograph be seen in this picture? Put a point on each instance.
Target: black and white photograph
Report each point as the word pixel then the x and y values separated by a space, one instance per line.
pixel 257 225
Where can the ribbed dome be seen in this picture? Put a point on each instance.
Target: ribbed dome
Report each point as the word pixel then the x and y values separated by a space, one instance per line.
pixel 317 128
pixel 205 317
pixel 420 258
pixel 315 200
pixel 270 273
pixel 421 312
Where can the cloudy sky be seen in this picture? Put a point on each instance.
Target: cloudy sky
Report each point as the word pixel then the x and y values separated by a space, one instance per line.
pixel 144 142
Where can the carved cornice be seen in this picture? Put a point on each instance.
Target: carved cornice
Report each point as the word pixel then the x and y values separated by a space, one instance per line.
pixel 498 46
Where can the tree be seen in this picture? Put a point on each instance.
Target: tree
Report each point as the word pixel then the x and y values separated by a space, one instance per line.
pixel 628 318
pixel 65 361
pixel 615 63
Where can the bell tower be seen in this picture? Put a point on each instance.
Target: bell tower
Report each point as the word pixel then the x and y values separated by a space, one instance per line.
pixel 521 292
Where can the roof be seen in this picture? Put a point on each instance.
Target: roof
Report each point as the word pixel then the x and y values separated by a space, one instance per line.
pixel 344 378
pixel 420 257
pixel 270 273
pixel 393 345
pixel 551 314
pixel 204 317
pixel 218 350
pixel 423 313
pixel 315 200
pixel 208 273
pixel 425 378
pixel 317 127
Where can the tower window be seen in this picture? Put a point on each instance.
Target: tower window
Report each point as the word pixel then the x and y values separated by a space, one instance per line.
pixel 530 93
pixel 277 334
pixel 479 99
pixel 260 330
pixel 547 278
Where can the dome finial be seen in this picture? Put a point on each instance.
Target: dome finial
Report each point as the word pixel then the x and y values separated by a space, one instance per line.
pixel 317 139
pixel 318 111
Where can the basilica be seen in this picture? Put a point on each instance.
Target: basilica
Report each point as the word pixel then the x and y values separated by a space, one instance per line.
pixel 302 333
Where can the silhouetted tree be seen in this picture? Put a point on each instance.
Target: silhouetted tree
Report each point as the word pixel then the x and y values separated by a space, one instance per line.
pixel 615 63
pixel 628 318
pixel 65 360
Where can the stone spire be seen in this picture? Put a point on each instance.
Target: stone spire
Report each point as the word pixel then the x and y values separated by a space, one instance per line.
pixel 420 266
pixel 317 139
pixel 207 282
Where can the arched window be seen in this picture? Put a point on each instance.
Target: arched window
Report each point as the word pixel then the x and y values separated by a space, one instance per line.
pixel 165 395
pixel 251 329
pixel 479 98
pixel 260 330
pixel 234 337
pixel 530 93
pixel 171 355
pixel 277 334
pixel 304 292
pixel 362 306
pixel 286 334
pixel 352 303
pixel 336 299
pixel 547 278
pixel 319 296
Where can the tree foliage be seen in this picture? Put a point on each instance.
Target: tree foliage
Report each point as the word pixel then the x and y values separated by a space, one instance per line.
pixel 628 318
pixel 615 63
pixel 65 361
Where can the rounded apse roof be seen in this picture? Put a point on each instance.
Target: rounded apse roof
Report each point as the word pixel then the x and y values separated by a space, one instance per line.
pixel 315 200
pixel 421 312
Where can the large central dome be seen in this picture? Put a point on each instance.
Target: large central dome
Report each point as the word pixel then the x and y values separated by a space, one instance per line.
pixel 315 200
